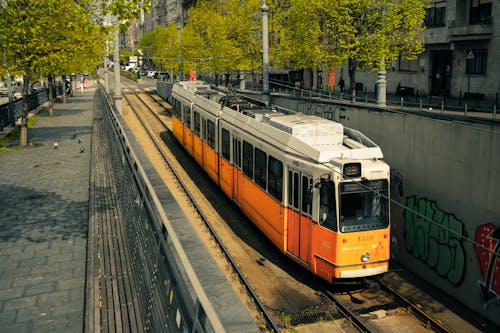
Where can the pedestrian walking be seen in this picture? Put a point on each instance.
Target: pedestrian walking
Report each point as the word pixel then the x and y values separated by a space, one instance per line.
pixel 341 85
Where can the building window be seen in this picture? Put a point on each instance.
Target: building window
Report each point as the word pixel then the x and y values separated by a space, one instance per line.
pixel 435 15
pixel 408 65
pixel 480 11
pixel 477 65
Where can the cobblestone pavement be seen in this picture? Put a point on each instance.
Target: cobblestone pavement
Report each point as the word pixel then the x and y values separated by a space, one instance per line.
pixel 44 198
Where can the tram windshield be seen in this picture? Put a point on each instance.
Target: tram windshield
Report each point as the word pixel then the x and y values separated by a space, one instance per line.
pixel 363 205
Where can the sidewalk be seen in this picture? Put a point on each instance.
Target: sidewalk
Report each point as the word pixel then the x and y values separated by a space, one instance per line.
pixel 44 207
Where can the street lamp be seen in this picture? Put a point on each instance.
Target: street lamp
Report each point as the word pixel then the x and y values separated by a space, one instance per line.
pixel 265 54
pixel 381 84
pixel 470 57
pixel 179 54
pixel 116 67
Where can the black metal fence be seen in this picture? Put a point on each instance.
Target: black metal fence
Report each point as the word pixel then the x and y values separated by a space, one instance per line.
pixel 170 296
pixel 13 110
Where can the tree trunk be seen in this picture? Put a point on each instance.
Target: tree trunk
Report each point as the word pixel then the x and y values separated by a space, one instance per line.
pixel 314 73
pixel 51 95
pixel 63 77
pixel 352 79
pixel 23 136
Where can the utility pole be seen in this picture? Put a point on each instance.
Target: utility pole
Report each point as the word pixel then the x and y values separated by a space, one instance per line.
pixel 116 67
pixel 470 58
pixel 105 64
pixel 179 53
pixel 265 54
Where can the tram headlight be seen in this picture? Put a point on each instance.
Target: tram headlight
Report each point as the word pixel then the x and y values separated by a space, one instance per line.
pixel 365 257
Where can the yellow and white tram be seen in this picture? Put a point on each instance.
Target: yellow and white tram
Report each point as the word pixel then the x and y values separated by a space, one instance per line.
pixel 318 190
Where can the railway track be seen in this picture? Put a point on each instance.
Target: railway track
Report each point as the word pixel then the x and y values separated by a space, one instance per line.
pixel 155 126
pixel 363 310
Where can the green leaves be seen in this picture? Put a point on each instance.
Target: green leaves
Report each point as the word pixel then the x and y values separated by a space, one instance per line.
pixel 365 31
pixel 47 37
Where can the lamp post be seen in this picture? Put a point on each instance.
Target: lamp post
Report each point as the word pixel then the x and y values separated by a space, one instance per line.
pixel 116 67
pixel 381 84
pixel 179 54
pixel 265 54
pixel 470 57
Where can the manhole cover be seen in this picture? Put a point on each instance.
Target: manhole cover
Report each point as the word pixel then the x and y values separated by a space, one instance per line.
pixel 47 164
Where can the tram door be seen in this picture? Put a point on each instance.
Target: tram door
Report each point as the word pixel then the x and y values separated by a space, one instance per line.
pixel 236 168
pixel 299 215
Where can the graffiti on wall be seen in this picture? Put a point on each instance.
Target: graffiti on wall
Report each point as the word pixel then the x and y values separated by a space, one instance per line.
pixel 328 111
pixel 435 237
pixel 487 247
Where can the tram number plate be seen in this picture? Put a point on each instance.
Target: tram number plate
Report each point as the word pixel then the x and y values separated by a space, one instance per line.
pixel 365 238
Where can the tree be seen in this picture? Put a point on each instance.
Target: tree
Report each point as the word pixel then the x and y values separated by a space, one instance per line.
pixel 230 42
pixel 167 47
pixel 147 44
pixel 44 38
pixel 367 34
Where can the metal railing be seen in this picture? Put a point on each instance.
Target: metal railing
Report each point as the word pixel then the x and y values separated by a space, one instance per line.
pixel 170 294
pixel 11 111
pixel 461 105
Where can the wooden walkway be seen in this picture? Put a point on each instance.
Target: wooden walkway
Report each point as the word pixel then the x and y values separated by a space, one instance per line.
pixel 111 297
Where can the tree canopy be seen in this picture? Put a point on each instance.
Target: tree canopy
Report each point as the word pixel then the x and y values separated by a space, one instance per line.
pixel 45 38
pixel 367 34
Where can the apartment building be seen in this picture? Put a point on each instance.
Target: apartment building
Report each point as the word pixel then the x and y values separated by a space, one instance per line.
pixel 462 53
pixel 163 13
pixel 462 50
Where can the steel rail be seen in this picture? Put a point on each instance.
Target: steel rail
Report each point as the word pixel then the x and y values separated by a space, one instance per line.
pixel 419 313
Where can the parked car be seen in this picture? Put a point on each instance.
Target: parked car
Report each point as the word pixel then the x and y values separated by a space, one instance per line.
pixel 151 74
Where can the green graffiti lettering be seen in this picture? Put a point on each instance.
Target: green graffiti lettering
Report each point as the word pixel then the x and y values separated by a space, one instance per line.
pixel 434 237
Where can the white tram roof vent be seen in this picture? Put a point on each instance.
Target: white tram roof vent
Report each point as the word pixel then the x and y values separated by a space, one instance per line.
pixel 195 85
pixel 312 130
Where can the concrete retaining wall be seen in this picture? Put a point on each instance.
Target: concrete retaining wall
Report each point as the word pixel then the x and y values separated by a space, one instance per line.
pixel 446 184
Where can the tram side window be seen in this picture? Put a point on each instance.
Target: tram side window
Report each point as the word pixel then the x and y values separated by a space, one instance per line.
pixel 275 181
pixel 248 159
pixel 327 212
pixel 211 133
pixel 261 168
pixel 237 152
pixel 306 186
pixel 177 109
pixel 187 116
pixel 204 129
pixel 293 189
pixel 226 144
pixel 197 124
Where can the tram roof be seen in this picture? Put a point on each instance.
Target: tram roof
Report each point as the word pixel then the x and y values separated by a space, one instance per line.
pixel 309 136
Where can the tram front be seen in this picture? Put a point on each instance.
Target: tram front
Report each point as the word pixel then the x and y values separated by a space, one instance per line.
pixel 354 207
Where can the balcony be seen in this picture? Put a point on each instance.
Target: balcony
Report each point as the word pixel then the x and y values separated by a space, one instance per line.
pixel 482 31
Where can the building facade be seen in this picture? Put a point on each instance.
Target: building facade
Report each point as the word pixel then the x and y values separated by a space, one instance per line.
pixel 461 58
pixel 462 53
